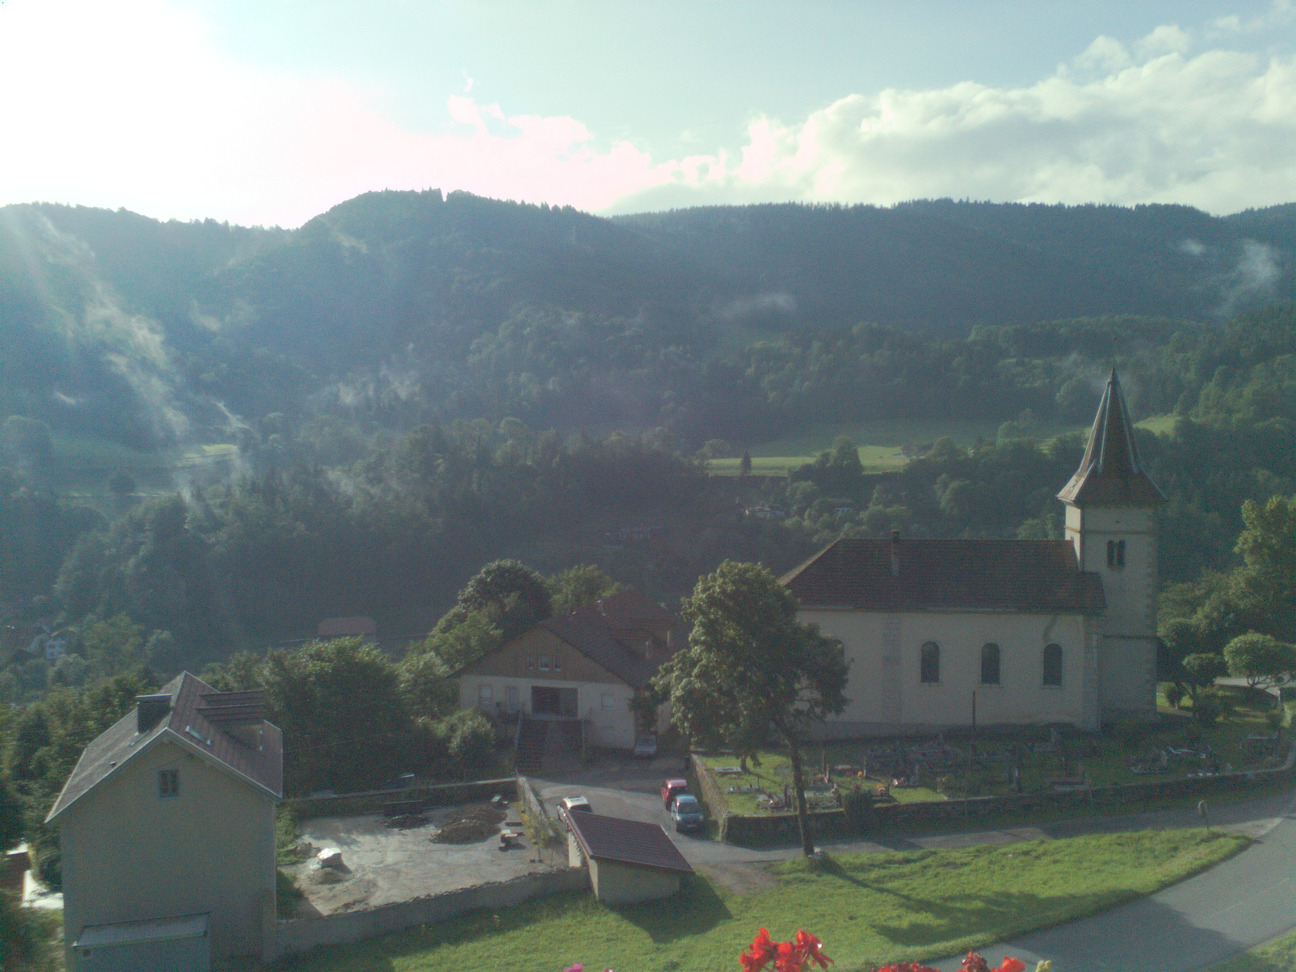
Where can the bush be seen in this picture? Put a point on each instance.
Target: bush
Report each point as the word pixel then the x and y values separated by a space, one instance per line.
pixel 1173 693
pixel 469 739
pixel 27 937
pixel 857 803
pixel 1208 708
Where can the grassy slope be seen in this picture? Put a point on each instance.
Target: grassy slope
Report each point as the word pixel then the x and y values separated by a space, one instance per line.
pixel 881 442
pixel 867 909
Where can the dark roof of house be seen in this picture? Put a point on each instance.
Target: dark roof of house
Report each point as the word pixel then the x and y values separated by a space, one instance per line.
pixel 627 842
pixel 589 635
pixel 952 575
pixel 629 607
pixel 185 722
pixel 1110 473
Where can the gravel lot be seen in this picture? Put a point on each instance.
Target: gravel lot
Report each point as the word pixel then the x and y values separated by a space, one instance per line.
pixel 383 864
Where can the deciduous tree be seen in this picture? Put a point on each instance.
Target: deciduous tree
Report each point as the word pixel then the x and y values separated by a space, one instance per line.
pixel 1261 659
pixel 752 671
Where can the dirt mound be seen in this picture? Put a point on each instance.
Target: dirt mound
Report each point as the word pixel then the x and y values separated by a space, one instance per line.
pixel 470 825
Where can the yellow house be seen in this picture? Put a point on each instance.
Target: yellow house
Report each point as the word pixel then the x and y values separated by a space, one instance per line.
pixel 167 833
pixel 978 632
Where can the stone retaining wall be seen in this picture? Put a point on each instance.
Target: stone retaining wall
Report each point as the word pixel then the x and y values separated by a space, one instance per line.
pixel 302 934
pixel 774 828
pixel 372 801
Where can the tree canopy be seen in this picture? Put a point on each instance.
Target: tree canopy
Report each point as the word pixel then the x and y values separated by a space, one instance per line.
pixel 1261 659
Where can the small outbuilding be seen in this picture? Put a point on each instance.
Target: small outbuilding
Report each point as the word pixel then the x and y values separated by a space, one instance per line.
pixel 628 861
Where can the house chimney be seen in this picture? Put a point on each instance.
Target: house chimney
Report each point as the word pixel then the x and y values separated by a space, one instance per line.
pixel 895 553
pixel 150 710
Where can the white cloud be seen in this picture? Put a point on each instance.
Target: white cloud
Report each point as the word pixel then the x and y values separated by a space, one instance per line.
pixel 1213 131
pixel 133 104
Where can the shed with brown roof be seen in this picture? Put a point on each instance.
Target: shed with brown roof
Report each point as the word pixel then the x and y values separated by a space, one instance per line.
pixel 629 861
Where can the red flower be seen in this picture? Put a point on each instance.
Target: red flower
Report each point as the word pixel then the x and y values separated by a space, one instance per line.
pixel 811 948
pixel 1010 964
pixel 761 951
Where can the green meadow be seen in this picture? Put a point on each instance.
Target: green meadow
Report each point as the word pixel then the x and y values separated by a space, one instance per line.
pixel 867 908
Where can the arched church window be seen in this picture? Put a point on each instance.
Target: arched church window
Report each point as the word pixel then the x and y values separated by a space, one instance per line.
pixel 990 664
pixel 1053 666
pixel 929 664
pixel 1115 553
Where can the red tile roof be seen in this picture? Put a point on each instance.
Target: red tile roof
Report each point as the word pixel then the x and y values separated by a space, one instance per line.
pixel 356 625
pixel 1110 473
pixel 952 575
pixel 184 724
pixel 627 842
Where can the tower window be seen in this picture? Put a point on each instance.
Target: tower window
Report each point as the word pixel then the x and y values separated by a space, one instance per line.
pixel 1053 666
pixel 990 664
pixel 929 664
pixel 1115 553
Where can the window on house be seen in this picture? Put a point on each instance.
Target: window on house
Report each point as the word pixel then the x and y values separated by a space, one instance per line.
pixel 556 666
pixel 485 695
pixel 929 664
pixel 1115 553
pixel 544 663
pixel 168 783
pixel 1053 666
pixel 530 663
pixel 990 664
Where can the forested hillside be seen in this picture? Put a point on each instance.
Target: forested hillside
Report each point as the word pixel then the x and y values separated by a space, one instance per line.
pixel 396 309
pixel 211 437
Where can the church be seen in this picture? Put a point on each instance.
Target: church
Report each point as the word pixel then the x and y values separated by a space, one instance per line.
pixel 941 633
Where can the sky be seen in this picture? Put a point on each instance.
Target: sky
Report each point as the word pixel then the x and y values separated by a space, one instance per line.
pixel 269 112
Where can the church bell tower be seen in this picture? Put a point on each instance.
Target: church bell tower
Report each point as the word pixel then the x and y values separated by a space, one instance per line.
pixel 1111 519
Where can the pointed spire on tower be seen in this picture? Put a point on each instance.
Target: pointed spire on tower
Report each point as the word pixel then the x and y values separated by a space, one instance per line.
pixel 1110 473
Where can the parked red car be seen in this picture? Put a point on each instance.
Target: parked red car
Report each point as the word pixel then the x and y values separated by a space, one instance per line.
pixel 671 789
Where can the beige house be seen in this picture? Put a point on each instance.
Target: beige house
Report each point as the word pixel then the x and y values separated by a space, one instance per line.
pixel 167 832
pixel 979 632
pixel 629 861
pixel 587 665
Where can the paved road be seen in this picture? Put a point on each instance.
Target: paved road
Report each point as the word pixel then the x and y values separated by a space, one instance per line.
pixel 1234 906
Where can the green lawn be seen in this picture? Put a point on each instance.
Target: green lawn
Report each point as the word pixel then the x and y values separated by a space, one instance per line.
pixel 868 909
pixel 1278 955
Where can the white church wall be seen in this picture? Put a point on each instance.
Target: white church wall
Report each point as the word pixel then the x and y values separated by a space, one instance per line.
pixel 884 652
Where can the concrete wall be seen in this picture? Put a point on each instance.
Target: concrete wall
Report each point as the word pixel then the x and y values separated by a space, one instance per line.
pixel 129 854
pixel 300 935
pixel 883 684
pixel 616 883
pixel 372 801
